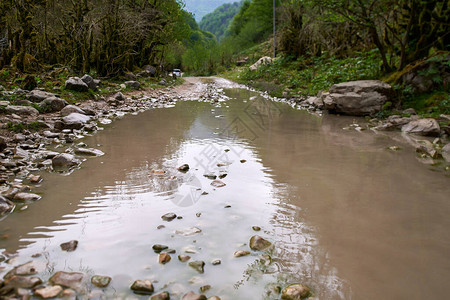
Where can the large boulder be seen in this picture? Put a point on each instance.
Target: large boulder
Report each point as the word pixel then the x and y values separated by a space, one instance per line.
pixel 64 160
pixel 358 98
pixel 75 121
pixel 426 127
pixel 53 104
pixel 133 84
pixel 76 84
pixel 150 69
pixel 262 61
pixel 71 109
pixel 38 95
pixel 22 110
pixel 90 82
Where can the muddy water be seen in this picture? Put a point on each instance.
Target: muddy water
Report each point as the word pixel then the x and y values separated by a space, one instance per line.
pixel 348 218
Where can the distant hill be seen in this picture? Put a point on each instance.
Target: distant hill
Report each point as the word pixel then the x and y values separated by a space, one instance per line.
pixel 218 21
pixel 202 7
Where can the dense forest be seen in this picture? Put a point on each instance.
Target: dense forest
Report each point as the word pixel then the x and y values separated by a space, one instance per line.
pixel 219 20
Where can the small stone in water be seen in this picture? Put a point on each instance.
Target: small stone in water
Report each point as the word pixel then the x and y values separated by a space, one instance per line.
pixel 243 161
pixel 179 217
pixel 241 253
pixel 71 280
pixel 142 287
pixel 35 178
pixel 161 296
pixel 216 262
pixel 222 176
pixel 198 215
pixel 256 228
pixel 170 251
pixel 164 258
pixel 184 168
pixel 205 288
pixel 69 246
pixel 210 176
pixel 160 227
pixel 189 231
pixel 158 248
pixel 257 243
pixel 193 296
pixel 227 206
pixel 198 265
pixel 295 292
pixel 100 281
pixel 184 258
pixel 218 183
pixel 168 217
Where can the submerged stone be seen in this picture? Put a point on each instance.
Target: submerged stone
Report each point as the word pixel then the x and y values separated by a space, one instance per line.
pixel 142 287
pixel 158 248
pixel 168 217
pixel 100 281
pixel 198 266
pixel 257 243
pixel 193 296
pixel 295 291
pixel 164 258
pixel 184 168
pixel 241 253
pixel 69 246
pixel 161 296
pixel 71 280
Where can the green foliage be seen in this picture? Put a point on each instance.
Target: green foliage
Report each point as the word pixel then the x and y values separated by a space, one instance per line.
pixel 308 76
pixel 219 20
pixel 20 127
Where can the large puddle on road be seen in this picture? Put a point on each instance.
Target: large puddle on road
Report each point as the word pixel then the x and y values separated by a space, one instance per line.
pixel 347 217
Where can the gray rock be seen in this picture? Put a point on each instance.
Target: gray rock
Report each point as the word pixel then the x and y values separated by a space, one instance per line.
pixel 410 111
pixel 90 82
pixel 358 98
pixel 198 266
pixel 48 292
pixel 446 152
pixel 161 296
pixel 69 246
pixel 216 262
pixel 100 281
pixel 258 243
pixel 76 84
pixel 150 69
pixel 71 280
pixel 295 292
pixel 262 61
pixel 130 76
pixel 22 102
pixel 315 101
pixel 38 96
pixel 55 104
pixel 22 110
pixel 158 248
pixel 142 287
pixel 6 206
pixel 426 127
pixel 119 96
pixel 72 109
pixel 64 160
pixel 75 121
pixel 3 143
pixel 193 296
pixel 89 152
pixel 22 282
pixel 162 82
pixel 133 84
pixel 168 217
pixel 26 197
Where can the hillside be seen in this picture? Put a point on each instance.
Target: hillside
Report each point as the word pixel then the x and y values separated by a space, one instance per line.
pixel 202 7
pixel 218 21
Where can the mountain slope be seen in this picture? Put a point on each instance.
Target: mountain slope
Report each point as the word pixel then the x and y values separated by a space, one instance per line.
pixel 218 21
pixel 202 7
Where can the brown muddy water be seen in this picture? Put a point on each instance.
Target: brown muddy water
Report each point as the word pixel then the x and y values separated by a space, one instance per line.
pixel 348 218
